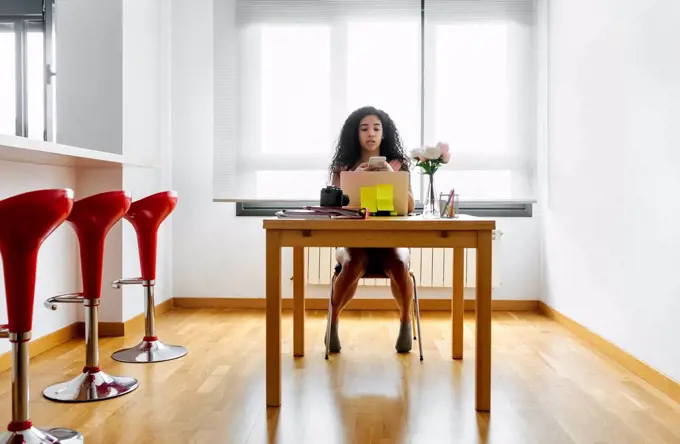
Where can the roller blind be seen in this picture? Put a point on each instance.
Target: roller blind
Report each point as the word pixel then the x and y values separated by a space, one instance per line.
pixel 287 74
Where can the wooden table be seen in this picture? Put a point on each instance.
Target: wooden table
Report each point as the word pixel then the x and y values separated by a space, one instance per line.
pixel 392 232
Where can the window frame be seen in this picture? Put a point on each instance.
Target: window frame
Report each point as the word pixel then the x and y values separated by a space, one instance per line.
pixel 338 50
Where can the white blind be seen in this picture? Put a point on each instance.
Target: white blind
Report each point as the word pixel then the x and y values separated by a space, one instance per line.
pixel 323 11
pixel 287 74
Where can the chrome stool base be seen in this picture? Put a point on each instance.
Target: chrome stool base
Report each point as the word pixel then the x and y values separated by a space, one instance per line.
pixel 88 387
pixel 35 435
pixel 150 351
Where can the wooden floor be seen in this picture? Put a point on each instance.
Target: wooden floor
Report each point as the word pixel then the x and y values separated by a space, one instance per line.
pixel 547 387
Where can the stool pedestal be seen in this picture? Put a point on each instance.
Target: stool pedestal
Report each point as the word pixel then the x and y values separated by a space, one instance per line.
pixel 21 429
pixel 150 349
pixel 92 384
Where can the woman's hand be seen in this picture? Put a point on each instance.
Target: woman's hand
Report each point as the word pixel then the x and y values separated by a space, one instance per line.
pixel 385 166
pixel 362 167
pixel 382 166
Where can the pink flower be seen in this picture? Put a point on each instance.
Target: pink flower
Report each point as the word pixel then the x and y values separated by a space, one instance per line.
pixel 445 150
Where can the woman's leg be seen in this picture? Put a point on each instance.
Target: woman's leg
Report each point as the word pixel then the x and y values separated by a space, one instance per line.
pixel 396 266
pixel 354 262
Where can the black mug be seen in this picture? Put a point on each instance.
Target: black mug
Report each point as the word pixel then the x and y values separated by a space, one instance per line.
pixel 333 197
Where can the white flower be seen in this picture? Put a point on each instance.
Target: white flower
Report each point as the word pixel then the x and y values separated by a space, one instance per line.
pixel 433 152
pixel 417 153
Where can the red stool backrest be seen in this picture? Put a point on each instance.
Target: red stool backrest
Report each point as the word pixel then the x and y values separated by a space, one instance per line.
pixel 26 220
pixel 146 215
pixel 91 219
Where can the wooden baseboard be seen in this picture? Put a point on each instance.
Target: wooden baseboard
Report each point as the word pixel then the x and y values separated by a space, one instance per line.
pixel 117 329
pixel 354 304
pixel 42 344
pixel 656 379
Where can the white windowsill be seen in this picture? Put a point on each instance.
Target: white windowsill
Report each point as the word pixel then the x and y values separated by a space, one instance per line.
pixel 506 200
pixel 24 150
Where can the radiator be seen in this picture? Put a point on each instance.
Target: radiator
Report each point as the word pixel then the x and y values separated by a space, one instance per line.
pixel 432 267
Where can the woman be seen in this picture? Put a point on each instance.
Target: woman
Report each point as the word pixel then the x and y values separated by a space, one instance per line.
pixel 370 132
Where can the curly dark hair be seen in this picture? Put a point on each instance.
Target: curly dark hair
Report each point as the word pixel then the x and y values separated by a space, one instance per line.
pixel 348 148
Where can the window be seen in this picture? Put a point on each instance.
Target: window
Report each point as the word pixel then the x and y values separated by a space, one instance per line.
pixel 289 72
pixel 35 83
pixel 471 87
pixel 25 110
pixel 382 58
pixel 290 184
pixel 295 89
pixel 7 79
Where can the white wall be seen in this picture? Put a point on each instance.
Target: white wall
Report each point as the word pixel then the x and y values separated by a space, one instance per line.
pixel 89 45
pixel 611 174
pixel 57 270
pixel 146 134
pixel 217 254
pixel 90 181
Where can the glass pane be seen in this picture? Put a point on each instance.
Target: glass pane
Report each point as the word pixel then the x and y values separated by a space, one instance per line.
pixel 295 106
pixel 484 184
pixel 291 184
pixel 36 85
pixel 471 87
pixel 383 71
pixel 7 80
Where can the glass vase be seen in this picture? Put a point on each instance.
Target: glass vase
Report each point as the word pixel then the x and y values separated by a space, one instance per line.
pixel 431 200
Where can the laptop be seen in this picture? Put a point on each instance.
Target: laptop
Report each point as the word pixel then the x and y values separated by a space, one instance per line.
pixel 352 181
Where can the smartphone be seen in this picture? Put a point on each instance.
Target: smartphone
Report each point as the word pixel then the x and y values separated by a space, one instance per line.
pixel 377 161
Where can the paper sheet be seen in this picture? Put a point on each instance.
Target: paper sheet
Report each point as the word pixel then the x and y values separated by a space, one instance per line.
pixel 369 199
pixel 385 197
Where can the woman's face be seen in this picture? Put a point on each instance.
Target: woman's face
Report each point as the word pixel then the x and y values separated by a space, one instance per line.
pixel 370 134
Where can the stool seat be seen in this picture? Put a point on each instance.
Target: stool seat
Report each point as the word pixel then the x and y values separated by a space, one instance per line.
pixel 146 216
pixel 91 219
pixel 26 220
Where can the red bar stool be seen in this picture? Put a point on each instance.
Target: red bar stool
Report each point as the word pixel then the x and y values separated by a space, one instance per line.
pixel 26 220
pixel 146 215
pixel 92 218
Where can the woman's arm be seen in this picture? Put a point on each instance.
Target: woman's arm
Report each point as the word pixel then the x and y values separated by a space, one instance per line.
pixel 395 165
pixel 411 200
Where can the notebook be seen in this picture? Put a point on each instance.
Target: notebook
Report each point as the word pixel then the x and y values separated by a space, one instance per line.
pixel 322 213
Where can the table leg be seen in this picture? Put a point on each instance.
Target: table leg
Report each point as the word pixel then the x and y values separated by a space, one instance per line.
pixel 273 325
pixel 457 304
pixel 483 323
pixel 299 301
